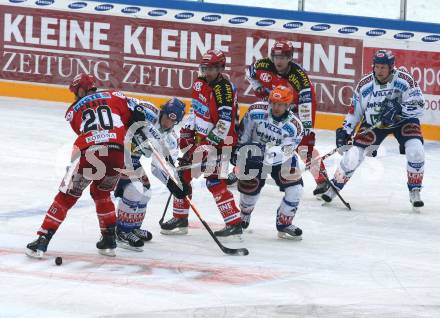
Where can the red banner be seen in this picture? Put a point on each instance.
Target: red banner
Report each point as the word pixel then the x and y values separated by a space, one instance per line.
pixel 161 57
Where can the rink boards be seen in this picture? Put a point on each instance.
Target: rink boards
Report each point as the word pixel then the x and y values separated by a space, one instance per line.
pixel 153 52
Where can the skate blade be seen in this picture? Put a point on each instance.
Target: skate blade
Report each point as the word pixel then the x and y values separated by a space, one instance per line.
pixel 285 236
pixel 326 198
pixel 107 252
pixel 34 254
pixel 416 209
pixel 176 231
pixel 231 238
pixel 129 247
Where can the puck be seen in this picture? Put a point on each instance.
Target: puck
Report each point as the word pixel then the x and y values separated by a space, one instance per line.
pixel 58 260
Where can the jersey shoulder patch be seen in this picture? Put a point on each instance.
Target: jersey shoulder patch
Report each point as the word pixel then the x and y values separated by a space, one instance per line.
pixel 264 64
pixel 407 78
pixel 223 93
pixel 298 78
pixel 365 80
pixel 119 94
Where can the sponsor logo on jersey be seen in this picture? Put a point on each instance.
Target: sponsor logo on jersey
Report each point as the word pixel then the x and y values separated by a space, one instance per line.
pixel 365 81
pixel 100 136
pixel 347 30
pixel 104 7
pixel 403 35
pixel 199 108
pixel 431 38
pixel 415 93
pixel 197 86
pixel 305 96
pixel 131 10
pixel 119 94
pixel 407 78
pixel 265 22
pixel 157 13
pixel 401 85
pixel 320 27
pixel 17 1
pixel 184 15
pixel 376 32
pixel 258 116
pixel 211 18
pixel 259 106
pixel 238 20
pixel 294 81
pixel 90 98
pixel 201 130
pixel 44 2
pixel 367 91
pixel 293 25
pixel 270 127
pixel 265 77
pixel 384 92
pixel 289 129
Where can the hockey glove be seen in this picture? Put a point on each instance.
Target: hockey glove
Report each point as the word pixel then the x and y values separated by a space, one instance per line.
pixel 186 138
pixel 342 138
pixel 251 154
pixel 262 93
pixel 390 112
pixel 178 192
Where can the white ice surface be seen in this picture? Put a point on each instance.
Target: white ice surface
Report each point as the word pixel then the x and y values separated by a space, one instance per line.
pixel 379 260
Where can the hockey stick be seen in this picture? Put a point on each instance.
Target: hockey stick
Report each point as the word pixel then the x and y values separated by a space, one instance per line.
pixel 226 250
pixel 165 209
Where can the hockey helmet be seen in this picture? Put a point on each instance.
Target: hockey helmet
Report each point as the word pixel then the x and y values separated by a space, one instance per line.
pixel 84 81
pixel 384 57
pixel 174 109
pixel 281 94
pixel 213 58
pixel 282 48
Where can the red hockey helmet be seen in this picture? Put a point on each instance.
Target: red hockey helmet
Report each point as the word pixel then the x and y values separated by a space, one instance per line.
pixel 84 81
pixel 213 58
pixel 282 48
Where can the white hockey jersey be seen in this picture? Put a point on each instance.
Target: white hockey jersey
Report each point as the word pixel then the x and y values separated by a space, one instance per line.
pixel 280 138
pixel 369 94
pixel 167 140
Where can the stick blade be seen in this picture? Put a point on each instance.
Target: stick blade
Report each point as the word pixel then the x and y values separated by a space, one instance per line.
pixel 235 251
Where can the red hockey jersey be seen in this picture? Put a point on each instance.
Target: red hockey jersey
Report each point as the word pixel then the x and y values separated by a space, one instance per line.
pixel 100 118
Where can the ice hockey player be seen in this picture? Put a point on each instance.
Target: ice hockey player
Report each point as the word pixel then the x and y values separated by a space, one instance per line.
pixel 99 119
pixel 279 69
pixel 210 126
pixel 386 101
pixel 133 188
pixel 277 132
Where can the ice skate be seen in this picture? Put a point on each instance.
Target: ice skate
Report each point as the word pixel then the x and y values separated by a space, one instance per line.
pixel 290 232
pixel 230 230
pixel 416 201
pixel 175 226
pixel 329 193
pixel 245 220
pixel 107 244
pixel 320 189
pixel 129 241
pixel 37 248
pixel 144 235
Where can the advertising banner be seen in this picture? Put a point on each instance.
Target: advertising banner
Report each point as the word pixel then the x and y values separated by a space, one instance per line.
pixel 157 53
